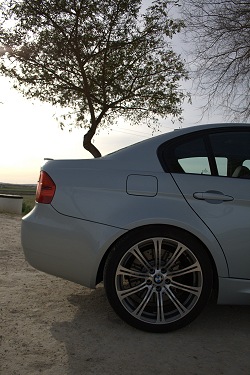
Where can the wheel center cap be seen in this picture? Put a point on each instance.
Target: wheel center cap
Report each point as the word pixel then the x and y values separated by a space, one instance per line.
pixel 158 278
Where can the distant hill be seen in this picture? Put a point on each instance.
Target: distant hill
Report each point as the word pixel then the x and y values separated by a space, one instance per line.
pixel 20 189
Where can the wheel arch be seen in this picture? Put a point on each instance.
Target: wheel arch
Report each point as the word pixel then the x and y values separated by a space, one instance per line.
pixel 100 271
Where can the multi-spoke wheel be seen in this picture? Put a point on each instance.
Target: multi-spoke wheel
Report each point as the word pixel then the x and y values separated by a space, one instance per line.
pixel 158 279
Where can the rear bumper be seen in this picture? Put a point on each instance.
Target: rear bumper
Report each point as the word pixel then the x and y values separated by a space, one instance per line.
pixel 66 247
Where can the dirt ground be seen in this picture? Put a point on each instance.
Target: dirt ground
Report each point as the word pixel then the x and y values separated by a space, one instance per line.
pixel 52 326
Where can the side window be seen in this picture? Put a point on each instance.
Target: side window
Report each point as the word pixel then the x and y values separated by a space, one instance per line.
pixel 189 156
pixel 221 164
pixel 232 153
pixel 197 165
pixel 247 163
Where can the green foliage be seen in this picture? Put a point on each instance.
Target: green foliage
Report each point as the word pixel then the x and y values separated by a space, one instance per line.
pixel 26 208
pixel 28 203
pixel 98 59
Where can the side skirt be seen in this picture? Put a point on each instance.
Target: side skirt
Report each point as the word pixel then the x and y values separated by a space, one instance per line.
pixel 234 291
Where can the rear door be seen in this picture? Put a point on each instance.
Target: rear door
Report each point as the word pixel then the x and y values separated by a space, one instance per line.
pixel 212 170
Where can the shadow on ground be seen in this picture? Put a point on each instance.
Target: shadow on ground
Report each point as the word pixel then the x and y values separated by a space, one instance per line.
pixel 98 342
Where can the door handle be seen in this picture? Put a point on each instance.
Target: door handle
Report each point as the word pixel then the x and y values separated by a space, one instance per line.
pixel 212 196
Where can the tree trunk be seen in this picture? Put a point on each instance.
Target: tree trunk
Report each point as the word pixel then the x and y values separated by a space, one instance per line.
pixel 88 145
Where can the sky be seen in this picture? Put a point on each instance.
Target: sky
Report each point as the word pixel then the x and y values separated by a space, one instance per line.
pixel 29 133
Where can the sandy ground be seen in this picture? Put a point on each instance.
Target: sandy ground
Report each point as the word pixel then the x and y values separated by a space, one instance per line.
pixel 51 326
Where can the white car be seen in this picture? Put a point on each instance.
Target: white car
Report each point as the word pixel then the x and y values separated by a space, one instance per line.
pixel 162 223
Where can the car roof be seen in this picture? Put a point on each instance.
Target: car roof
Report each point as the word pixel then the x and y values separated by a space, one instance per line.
pixel 156 141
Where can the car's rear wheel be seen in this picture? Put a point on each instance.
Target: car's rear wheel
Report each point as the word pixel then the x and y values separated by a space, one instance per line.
pixel 158 279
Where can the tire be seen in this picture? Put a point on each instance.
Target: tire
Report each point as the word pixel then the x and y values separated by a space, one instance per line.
pixel 158 279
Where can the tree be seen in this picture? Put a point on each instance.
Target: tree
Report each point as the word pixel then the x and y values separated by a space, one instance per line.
pixel 98 59
pixel 219 32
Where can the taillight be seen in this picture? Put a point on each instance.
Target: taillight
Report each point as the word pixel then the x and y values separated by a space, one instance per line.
pixel 45 188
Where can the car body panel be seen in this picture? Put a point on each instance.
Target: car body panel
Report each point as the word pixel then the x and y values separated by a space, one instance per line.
pixel 132 212
pixel 233 291
pixel 228 220
pixel 115 207
pixel 64 246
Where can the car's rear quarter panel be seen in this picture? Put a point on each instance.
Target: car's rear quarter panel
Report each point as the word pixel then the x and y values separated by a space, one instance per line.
pixel 64 246
pixel 99 195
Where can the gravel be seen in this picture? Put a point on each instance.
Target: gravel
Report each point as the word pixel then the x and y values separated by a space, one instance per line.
pixel 52 326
